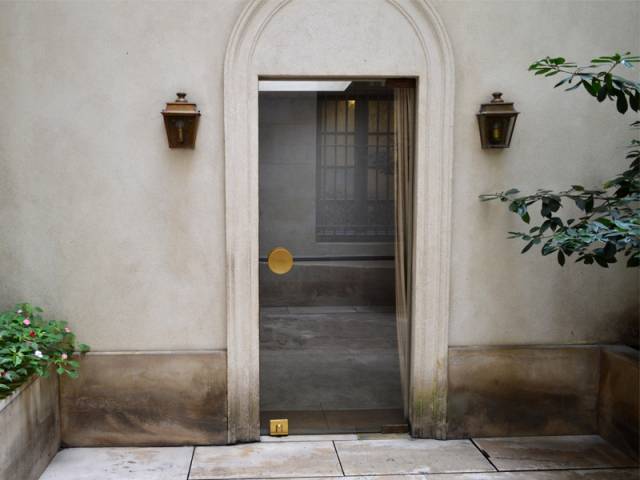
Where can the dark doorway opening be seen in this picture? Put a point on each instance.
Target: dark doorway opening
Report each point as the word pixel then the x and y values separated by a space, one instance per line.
pixel 328 344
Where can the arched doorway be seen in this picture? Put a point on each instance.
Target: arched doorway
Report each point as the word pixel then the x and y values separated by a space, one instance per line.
pixel 361 38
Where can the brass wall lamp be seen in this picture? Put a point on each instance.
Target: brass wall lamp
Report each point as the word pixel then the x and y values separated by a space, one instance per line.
pixel 496 120
pixel 181 120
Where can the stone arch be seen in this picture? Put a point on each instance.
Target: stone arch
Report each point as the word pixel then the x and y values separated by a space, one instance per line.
pixel 290 26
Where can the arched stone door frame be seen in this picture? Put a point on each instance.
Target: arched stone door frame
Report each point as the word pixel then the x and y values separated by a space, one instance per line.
pixel 434 159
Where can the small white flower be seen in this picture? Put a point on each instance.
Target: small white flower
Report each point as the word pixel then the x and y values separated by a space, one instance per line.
pixel 19 310
pixel 38 353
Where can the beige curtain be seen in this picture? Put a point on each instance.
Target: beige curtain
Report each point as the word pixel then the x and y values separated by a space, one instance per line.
pixel 404 147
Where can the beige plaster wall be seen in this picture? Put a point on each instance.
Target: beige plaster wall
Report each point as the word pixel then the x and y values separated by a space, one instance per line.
pixel 561 138
pixel 105 226
pixel 102 224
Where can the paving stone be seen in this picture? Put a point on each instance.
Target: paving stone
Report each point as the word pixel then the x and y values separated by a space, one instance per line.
pixel 266 460
pixel 166 463
pixel 384 436
pixel 370 477
pixel 376 457
pixel 546 453
pixel 600 474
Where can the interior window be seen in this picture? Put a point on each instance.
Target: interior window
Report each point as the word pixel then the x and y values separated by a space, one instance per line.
pixel 354 168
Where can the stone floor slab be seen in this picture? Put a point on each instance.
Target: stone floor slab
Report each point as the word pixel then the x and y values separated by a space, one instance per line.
pixel 266 460
pixel 384 436
pixel 166 463
pixel 367 477
pixel 547 453
pixel 379 457
pixel 598 474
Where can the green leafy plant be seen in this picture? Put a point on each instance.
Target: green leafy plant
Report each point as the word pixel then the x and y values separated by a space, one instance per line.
pixel 597 78
pixel 30 345
pixel 609 224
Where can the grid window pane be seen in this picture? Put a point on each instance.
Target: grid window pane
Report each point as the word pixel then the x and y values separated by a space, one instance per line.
pixel 355 174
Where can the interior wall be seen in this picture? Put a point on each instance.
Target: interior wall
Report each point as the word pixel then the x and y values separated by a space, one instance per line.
pixel 287 157
pixel 288 125
pixel 106 227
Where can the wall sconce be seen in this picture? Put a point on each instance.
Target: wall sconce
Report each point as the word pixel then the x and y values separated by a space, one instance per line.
pixel 496 121
pixel 181 120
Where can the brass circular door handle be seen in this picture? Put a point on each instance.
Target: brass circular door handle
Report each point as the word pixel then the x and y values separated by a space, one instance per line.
pixel 280 260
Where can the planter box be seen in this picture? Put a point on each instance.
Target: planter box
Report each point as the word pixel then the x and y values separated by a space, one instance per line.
pixel 30 429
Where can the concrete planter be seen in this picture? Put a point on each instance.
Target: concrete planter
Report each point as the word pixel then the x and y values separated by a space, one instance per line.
pixel 30 429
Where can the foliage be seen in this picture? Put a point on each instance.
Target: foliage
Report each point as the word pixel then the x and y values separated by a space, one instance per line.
pixel 601 84
pixel 609 224
pixel 30 345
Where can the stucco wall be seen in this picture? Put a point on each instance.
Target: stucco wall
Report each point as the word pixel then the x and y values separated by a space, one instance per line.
pixel 561 138
pixel 102 224
pixel 105 226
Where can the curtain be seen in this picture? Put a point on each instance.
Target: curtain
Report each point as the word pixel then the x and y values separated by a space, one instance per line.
pixel 404 147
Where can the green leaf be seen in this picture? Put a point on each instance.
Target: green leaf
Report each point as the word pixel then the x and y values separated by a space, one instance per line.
pixel 604 221
pixel 580 203
pixel 610 251
pixel 602 93
pixel 634 101
pixel 548 248
pixel 590 88
pixel 621 103
pixel 588 206
pixel 528 246
pixel 561 258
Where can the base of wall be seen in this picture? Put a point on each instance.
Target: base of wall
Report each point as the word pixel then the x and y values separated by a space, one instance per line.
pixel 179 398
pixel 619 400
pixel 29 429
pixel 146 399
pixel 528 390
pixel 545 390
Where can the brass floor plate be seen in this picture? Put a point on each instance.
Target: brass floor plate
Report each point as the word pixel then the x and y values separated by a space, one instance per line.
pixel 279 427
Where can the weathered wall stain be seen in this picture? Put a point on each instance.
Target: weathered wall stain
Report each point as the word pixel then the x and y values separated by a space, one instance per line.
pixel 146 399
pixel 619 403
pixel 29 430
pixel 496 391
